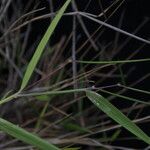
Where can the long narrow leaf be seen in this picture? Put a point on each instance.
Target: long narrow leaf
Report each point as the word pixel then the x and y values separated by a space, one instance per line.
pixel 35 59
pixel 116 115
pixel 53 92
pixel 25 136
pixel 114 61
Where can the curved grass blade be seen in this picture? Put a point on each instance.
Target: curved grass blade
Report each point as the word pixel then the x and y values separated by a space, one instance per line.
pixel 25 136
pixel 38 52
pixel 116 115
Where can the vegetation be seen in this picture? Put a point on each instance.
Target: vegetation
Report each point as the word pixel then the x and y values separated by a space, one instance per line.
pixel 75 94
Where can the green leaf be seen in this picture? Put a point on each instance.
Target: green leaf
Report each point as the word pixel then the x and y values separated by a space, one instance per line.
pixel 126 97
pixel 53 92
pixel 38 52
pixel 25 136
pixel 75 127
pixel 114 62
pixel 116 115
pixel 43 97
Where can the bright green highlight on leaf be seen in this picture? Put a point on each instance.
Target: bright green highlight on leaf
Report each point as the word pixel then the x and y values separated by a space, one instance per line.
pixel 104 105
pixel 38 52
pixel 25 136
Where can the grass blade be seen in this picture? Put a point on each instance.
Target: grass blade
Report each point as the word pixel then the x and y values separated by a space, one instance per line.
pixel 114 61
pixel 134 89
pixel 53 92
pixel 25 136
pixel 116 115
pixel 126 97
pixel 38 52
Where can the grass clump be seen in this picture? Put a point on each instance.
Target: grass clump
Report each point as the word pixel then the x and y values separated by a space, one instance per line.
pixel 54 107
